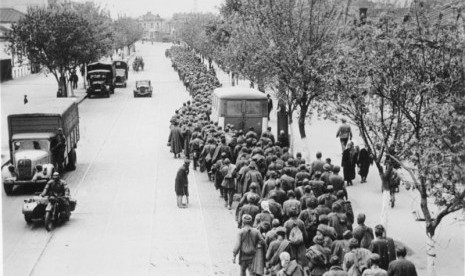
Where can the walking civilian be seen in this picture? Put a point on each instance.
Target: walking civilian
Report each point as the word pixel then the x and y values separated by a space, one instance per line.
pixel 349 160
pixel 270 105
pixel 364 162
pixel 344 133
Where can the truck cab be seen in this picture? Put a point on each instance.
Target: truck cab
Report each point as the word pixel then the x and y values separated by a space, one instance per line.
pixel 33 135
pixel 30 150
pixel 101 79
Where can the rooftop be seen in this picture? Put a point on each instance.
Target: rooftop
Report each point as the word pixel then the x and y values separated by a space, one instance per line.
pixel 8 15
pixel 150 17
pixel 239 93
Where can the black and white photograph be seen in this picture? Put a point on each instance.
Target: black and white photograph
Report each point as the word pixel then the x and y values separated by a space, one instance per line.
pixel 232 137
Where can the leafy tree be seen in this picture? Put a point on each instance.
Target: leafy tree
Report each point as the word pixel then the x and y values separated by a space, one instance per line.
pixel 416 70
pixel 127 31
pixel 287 41
pixel 102 36
pixel 431 97
pixel 196 29
pixel 59 38
pixel 52 37
pixel 363 80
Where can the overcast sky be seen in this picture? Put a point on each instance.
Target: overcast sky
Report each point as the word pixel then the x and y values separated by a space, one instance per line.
pixel 165 8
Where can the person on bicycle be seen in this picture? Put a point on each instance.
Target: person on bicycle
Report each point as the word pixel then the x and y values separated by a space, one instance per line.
pixel 59 189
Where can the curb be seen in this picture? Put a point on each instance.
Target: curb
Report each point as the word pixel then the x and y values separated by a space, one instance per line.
pixel 8 161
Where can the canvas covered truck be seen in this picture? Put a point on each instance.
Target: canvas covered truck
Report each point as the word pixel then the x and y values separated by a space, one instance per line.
pixel 33 136
pixel 101 79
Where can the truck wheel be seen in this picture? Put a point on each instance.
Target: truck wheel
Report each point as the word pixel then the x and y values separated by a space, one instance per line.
pixel 48 221
pixel 72 160
pixel 125 85
pixel 8 189
pixel 28 218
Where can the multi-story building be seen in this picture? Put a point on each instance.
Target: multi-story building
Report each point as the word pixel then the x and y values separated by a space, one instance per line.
pixel 11 11
pixel 12 66
pixel 155 27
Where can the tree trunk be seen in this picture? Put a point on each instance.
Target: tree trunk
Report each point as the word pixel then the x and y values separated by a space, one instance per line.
pixel 431 255
pixel 302 116
pixel 385 198
pixel 260 83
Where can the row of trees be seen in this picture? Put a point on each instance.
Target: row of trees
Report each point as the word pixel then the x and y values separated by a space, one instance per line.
pixel 399 79
pixel 63 36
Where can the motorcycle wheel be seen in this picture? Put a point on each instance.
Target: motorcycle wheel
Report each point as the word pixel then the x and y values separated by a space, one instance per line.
pixel 28 218
pixel 48 221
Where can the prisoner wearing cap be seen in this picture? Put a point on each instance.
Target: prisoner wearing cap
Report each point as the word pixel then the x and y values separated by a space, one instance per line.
pixel 246 218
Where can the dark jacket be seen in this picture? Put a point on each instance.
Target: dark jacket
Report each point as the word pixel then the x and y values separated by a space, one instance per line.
pixel 380 247
pixel 181 182
pixel 402 267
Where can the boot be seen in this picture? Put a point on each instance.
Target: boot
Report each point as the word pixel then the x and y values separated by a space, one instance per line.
pixel 179 201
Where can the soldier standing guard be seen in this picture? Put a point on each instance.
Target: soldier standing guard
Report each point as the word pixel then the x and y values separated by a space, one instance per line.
pixel 58 150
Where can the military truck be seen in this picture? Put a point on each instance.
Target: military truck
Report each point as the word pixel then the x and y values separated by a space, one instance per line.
pixel 101 78
pixel 33 135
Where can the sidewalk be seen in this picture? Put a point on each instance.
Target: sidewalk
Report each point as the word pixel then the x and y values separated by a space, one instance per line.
pixel 366 198
pixel 39 88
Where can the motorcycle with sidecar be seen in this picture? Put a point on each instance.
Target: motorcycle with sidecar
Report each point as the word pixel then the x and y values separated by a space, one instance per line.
pixel 47 209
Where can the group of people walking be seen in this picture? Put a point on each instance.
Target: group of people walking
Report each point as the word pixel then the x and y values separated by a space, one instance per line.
pixel 295 217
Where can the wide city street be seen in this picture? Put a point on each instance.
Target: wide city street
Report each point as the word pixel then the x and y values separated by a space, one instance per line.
pixel 126 220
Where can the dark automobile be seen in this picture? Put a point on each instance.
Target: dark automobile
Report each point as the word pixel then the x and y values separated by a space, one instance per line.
pixel 143 89
pixel 121 72
pixel 100 79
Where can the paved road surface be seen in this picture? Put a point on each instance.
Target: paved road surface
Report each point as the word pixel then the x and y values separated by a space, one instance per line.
pixel 126 221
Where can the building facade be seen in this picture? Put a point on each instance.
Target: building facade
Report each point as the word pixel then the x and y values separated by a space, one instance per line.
pixel 155 27
pixel 12 66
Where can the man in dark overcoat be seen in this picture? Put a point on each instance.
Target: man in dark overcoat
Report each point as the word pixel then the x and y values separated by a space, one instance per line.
pixel 181 184
pixel 175 140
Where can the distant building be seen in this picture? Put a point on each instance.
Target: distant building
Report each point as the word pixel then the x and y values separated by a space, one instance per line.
pixel 11 11
pixel 23 5
pixel 12 66
pixel 155 27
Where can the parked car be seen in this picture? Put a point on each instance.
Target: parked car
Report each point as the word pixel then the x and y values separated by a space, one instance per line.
pixel 143 89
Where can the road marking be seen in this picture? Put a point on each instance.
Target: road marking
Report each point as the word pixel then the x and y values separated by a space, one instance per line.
pixel 210 264
pixel 98 152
